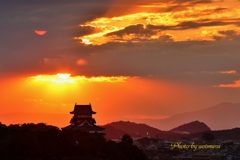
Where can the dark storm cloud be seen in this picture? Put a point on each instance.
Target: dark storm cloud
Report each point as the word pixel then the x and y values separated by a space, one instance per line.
pixel 192 61
pixel 139 34
pixel 151 30
pixel 22 49
pixel 228 35
pixel 143 2
pixel 133 29
pixel 192 1
pixel 47 2
pixel 54 7
pixel 195 24
pixel 178 5
pixel 204 12
pixel 122 7
pixel 86 30
pixel 198 24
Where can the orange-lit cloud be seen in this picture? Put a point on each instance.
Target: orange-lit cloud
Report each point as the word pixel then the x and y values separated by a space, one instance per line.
pixel 40 32
pixel 203 22
pixel 228 72
pixel 236 84
pixel 67 78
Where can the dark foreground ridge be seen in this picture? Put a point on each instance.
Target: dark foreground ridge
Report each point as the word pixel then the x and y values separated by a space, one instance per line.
pixel 45 142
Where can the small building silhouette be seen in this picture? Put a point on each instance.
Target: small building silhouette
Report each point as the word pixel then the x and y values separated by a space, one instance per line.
pixel 82 119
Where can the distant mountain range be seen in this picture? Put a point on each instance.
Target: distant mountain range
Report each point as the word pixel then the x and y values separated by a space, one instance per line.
pixel 187 125
pixel 190 130
pixel 222 116
pixel 115 130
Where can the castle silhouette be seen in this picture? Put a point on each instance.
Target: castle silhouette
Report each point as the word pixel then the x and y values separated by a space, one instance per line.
pixel 82 120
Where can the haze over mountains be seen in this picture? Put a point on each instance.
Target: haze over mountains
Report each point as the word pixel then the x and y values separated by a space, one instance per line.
pixel 222 116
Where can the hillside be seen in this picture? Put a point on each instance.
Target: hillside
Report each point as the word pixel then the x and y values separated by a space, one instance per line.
pixel 227 134
pixel 192 127
pixel 195 129
pixel 116 129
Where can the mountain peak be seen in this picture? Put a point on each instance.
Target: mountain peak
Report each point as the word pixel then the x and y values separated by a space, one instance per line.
pixel 192 127
pixel 116 129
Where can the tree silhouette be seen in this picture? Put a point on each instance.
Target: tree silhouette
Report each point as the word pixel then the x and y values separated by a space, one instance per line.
pixel 208 136
pixel 127 139
pixel 45 142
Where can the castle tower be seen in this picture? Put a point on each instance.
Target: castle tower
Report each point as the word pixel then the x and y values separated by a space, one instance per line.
pixel 82 119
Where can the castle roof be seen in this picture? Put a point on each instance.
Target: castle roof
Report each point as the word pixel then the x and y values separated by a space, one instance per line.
pixel 85 127
pixel 83 109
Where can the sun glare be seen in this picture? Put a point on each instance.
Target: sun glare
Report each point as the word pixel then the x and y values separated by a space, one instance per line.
pixel 59 78
pixel 63 76
pixel 86 41
pixel 58 84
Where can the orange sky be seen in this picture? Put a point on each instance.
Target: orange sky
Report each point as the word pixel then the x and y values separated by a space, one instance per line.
pixel 50 98
pixel 130 60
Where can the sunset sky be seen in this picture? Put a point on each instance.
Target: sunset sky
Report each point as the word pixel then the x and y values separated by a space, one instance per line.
pixel 132 60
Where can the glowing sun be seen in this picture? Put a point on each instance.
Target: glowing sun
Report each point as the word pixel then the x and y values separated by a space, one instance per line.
pixel 63 76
